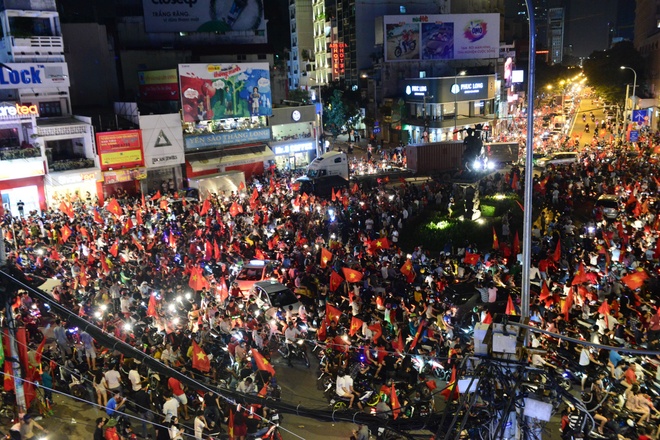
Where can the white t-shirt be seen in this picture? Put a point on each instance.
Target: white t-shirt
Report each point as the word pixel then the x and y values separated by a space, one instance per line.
pixel 199 428
pixel 171 409
pixel 344 385
pixel 134 377
pixel 113 378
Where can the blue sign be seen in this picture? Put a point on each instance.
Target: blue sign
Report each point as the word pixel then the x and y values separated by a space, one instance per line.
pixel 640 117
pixel 634 136
pixel 229 138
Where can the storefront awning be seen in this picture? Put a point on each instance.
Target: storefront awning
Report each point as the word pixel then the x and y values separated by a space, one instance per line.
pixel 231 157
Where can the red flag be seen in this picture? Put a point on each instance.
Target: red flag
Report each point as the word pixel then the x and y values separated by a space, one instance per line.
pixel 407 268
pixel 635 280
pixel 222 289
pixel 263 392
pixel 377 331
pixel 205 207
pixel 604 308
pixel 82 276
pixel 398 344
pixel 380 243
pixel 30 393
pixel 545 291
pixel 163 204
pixel 556 256
pixel 516 244
pixel 67 209
pixel 488 319
pixel 151 308
pixel 156 196
pixel 138 215
pixel 208 250
pixel 172 239
pixel 514 182
pixel 394 401
pixel 259 255
pixel 355 188
pixel 234 209
pixel 471 258
pixel 21 339
pixel 195 282
pixel 241 186
pixel 255 195
pixel 66 233
pixel 580 275
pixel 40 352
pixel 216 250
pixel 144 204
pixel 262 363
pixel 352 275
pixel 510 309
pixel 418 333
pixel 332 313
pixel 335 281
pixel 322 332
pixel 9 379
pixel 356 325
pixel 326 257
pixel 522 208
pixel 127 226
pixel 114 208
pixel 230 425
pixel 568 302
pixel 97 216
pixel 200 360
pixel 137 244
pixel 104 265
pixel 333 196
pixel 496 242
pixel 451 392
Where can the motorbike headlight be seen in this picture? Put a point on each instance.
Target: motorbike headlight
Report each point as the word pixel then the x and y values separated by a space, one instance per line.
pixel 176 321
pixel 127 327
pixel 256 314
pixel 104 308
pixel 300 341
pixel 171 308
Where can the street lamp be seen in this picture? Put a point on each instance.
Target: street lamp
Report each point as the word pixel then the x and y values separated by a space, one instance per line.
pixel 319 149
pixel 633 92
pixel 455 89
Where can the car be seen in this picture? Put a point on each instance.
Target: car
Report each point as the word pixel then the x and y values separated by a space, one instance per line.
pixel 254 271
pixel 270 296
pixel 609 204
pixel 558 158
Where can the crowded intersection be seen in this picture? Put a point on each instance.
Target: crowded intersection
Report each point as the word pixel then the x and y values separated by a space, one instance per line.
pixel 238 290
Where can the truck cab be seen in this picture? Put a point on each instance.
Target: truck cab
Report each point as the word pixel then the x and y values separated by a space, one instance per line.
pixel 332 163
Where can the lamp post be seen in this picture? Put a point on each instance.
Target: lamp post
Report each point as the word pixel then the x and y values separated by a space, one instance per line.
pixel 455 89
pixel 632 106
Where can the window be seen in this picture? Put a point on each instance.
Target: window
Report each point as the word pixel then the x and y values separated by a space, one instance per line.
pixel 53 108
pixel 402 9
pixel 241 57
pixel 422 73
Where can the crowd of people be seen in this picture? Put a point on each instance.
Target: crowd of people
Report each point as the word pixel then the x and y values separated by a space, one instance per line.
pixel 157 273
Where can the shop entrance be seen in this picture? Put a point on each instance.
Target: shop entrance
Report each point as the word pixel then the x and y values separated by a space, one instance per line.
pixel 29 195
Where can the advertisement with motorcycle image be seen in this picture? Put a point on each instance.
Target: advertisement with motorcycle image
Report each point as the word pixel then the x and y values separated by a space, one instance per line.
pixel 441 36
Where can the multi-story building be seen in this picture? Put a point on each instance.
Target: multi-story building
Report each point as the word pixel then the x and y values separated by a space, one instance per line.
pixel 647 40
pixel 301 54
pixel 46 153
pixel 555 35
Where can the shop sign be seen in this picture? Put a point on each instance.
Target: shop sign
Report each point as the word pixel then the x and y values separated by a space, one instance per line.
pixel 62 179
pixel 34 76
pixel 125 175
pixel 230 138
pixel 292 148
pixel 120 149
pixel 159 85
pixel 10 110
pixel 338 58
pixel 162 139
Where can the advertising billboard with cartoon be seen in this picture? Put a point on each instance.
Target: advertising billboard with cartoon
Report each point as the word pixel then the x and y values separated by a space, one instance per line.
pixel 441 36
pixel 222 91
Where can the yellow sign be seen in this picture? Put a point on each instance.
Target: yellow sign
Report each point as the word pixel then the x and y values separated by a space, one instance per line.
pixel 126 175
pixel 121 157
pixel 167 76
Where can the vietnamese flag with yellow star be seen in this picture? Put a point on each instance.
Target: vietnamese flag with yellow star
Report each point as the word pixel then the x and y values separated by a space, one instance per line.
pixel 262 363
pixel 378 244
pixel 326 257
pixel 335 281
pixel 66 233
pixel 200 360
pixel 352 275
pixel 356 325
pixel 114 208
pixel 197 280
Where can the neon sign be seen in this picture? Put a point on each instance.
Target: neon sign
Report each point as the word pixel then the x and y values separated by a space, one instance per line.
pixel 338 56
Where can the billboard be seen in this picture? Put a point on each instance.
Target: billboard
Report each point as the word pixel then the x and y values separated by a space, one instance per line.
pixel 158 85
pixel 221 91
pixel 163 140
pixel 34 76
pixel 441 36
pixel 223 17
pixel 120 149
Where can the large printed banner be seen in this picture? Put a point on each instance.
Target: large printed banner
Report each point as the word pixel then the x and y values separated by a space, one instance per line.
pixel 221 91
pixel 120 149
pixel 441 36
pixel 159 85
pixel 224 17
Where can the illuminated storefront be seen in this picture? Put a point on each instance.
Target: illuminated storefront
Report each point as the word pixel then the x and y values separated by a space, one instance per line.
pixel 294 136
pixel 122 161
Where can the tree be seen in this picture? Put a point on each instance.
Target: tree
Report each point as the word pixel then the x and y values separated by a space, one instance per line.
pixel 334 113
pixel 603 70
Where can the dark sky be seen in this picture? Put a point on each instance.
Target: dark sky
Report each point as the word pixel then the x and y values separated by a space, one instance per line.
pixel 589 21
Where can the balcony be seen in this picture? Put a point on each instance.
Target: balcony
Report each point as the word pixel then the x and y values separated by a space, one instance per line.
pixel 16 153
pixel 32 46
pixel 70 164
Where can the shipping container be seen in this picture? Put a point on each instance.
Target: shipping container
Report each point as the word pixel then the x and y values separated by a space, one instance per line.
pixel 435 157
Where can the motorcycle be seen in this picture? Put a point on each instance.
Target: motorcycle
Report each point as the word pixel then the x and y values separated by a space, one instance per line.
pixel 402 48
pixel 290 350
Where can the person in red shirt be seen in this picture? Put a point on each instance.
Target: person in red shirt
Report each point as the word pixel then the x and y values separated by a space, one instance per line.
pixel 179 394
